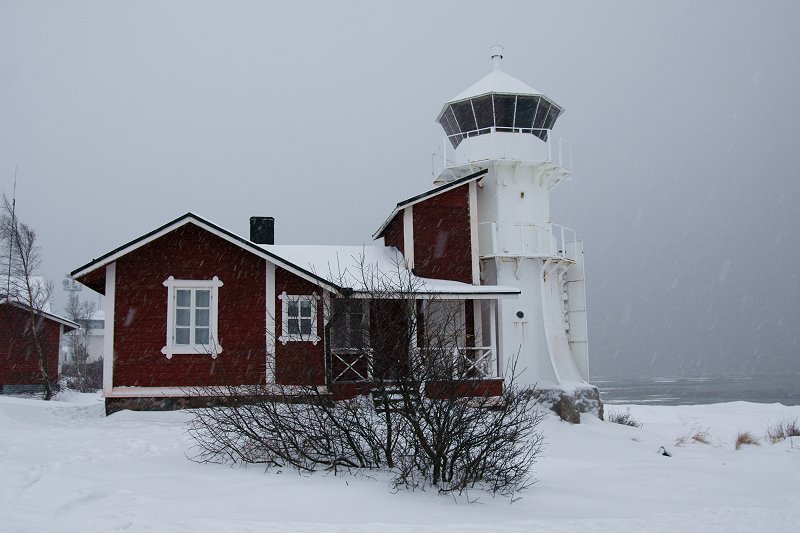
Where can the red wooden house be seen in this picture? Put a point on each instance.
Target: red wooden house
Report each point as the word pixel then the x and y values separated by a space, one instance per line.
pixel 191 304
pixel 19 359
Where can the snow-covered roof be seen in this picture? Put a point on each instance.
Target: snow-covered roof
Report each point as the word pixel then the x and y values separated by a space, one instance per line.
pixel 41 312
pixel 333 267
pixel 377 270
pixel 14 288
pixel 497 81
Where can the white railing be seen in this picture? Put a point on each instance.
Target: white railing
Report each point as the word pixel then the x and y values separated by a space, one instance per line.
pixel 471 362
pixel 538 145
pixel 350 365
pixel 498 239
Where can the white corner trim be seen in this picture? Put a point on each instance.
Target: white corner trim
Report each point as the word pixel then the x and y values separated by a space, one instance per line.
pixel 285 336
pixel 271 334
pixel 108 329
pixel 473 232
pixel 408 236
pixel 214 347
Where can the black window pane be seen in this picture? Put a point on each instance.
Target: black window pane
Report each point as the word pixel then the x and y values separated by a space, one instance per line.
pixel 455 139
pixel 305 327
pixel 504 110
pixel 526 106
pixel 463 112
pixel 293 308
pixel 552 115
pixel 541 118
pixel 294 326
pixel 446 125
pixel 483 111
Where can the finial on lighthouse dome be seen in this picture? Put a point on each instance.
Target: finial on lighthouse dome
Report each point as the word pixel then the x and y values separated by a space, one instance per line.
pixel 496 55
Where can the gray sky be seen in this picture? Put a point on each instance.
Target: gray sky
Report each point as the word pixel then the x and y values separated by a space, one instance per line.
pixel 683 117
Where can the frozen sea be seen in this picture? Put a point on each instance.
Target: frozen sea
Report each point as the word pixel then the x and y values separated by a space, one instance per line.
pixel 779 388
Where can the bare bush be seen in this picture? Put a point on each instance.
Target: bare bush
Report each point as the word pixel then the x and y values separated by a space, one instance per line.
pixel 626 419
pixel 782 430
pixel 745 438
pixel 415 401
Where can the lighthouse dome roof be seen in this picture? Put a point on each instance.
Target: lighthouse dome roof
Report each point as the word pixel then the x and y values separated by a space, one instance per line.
pixel 497 81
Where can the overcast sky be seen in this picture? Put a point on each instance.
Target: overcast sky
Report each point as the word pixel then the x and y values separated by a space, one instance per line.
pixel 684 119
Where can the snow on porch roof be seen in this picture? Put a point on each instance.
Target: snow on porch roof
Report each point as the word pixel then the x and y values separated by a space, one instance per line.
pixel 427 194
pixel 379 271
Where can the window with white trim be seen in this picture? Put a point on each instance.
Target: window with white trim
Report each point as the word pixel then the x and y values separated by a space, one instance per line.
pixel 298 318
pixel 192 317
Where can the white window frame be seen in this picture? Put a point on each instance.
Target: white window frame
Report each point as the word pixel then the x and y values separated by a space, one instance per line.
pixel 285 337
pixel 214 347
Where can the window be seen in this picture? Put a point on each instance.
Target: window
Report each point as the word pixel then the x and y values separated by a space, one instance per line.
pixel 349 324
pixel 298 318
pixel 192 317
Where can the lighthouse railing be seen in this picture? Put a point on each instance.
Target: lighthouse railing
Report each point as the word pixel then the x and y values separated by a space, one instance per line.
pixel 515 239
pixel 556 149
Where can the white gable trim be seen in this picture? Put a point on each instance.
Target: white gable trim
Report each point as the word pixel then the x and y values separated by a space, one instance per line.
pixel 207 226
pixel 427 195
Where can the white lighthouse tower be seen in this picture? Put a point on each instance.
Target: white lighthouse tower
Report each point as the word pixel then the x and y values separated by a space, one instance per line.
pixel 505 126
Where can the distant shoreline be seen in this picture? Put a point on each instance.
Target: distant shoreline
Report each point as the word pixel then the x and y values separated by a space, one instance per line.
pixel 782 388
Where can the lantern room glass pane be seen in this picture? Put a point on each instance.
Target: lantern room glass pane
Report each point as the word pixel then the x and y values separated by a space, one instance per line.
pixel 504 105
pixel 446 124
pixel 483 111
pixel 526 106
pixel 541 118
pixel 463 112
pixel 552 115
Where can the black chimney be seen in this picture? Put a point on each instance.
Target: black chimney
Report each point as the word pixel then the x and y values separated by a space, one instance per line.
pixel 262 230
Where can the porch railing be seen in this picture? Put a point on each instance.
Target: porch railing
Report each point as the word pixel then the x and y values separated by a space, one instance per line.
pixel 350 365
pixel 469 362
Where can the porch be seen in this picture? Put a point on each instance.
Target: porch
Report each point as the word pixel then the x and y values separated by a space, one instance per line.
pixel 438 347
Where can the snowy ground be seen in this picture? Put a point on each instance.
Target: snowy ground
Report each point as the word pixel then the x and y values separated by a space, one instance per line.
pixel 66 467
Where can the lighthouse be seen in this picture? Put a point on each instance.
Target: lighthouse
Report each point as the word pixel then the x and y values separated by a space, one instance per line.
pixel 506 127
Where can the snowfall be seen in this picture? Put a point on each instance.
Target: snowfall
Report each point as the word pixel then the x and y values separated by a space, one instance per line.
pixel 65 466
